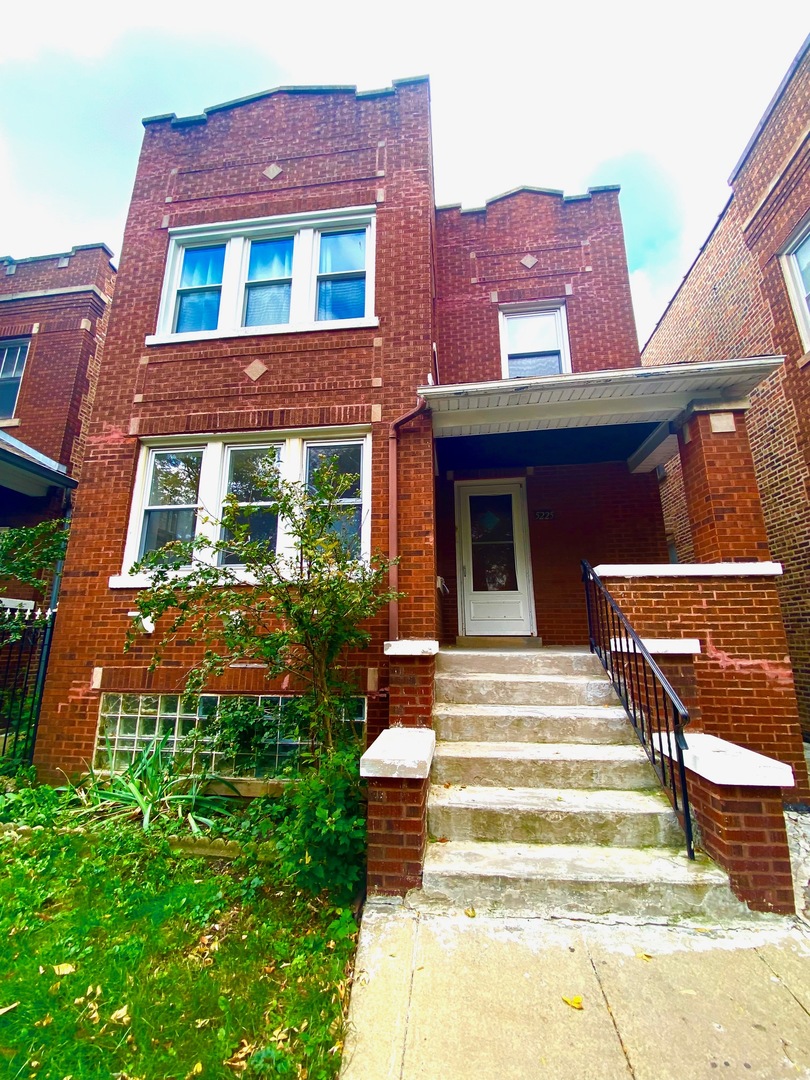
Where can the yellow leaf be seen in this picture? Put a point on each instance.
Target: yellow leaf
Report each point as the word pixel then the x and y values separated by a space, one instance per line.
pixel 575 1002
pixel 8 1008
pixel 644 956
pixel 197 1069
pixel 121 1016
pixel 63 969
pixel 469 912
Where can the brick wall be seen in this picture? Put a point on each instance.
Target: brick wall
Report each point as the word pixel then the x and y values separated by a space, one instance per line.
pixel 63 310
pixel 578 245
pixel 743 683
pixel 397 833
pixel 335 149
pixel 734 302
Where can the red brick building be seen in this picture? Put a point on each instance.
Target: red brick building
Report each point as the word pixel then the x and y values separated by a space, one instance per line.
pixel 747 295
pixel 53 320
pixel 288 288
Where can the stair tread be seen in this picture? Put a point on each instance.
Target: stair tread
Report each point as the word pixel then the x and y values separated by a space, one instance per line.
pixel 533 677
pixel 562 800
pixel 574 862
pixel 553 712
pixel 542 751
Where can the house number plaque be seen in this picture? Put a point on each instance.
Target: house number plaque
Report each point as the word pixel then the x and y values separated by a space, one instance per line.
pixel 544 515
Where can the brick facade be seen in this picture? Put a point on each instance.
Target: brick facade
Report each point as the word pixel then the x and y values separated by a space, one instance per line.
pixel 735 302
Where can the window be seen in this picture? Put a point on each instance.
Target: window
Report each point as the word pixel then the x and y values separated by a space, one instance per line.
pixel 131 723
pixel 276 275
pixel 12 364
pixel 534 341
pixel 181 489
pixel 796 262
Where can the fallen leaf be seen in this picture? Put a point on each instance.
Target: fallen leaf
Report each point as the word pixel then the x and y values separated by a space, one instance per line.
pixel 8 1008
pixel 121 1016
pixel 45 1021
pixel 575 1002
pixel 644 956
pixel 63 969
pixel 469 912
pixel 442 839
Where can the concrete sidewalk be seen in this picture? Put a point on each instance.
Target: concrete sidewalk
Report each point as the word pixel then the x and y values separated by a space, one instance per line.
pixel 449 997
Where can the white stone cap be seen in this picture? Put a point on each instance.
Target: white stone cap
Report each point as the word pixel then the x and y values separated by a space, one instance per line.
pixel 405 753
pixel 411 647
pixel 674 570
pixel 725 762
pixel 659 646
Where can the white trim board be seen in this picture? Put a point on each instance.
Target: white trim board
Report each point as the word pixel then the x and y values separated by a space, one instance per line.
pixel 689 570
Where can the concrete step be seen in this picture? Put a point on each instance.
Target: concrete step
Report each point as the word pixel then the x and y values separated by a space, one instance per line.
pixel 553 816
pixel 499 642
pixel 504 689
pixel 562 765
pixel 519 662
pixel 568 880
pixel 598 724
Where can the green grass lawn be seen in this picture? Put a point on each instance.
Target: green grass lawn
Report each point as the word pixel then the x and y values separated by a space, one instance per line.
pixel 120 960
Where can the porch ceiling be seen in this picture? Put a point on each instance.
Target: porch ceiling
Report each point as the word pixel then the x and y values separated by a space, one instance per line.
pixel 630 396
pixel 538 448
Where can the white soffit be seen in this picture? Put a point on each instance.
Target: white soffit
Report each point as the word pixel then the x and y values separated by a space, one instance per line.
pixel 624 396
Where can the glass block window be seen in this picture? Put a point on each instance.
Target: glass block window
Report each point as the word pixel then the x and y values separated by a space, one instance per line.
pixel 12 364
pixel 130 723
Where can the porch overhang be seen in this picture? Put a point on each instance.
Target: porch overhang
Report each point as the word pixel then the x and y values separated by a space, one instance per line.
pixel 27 471
pixel 654 401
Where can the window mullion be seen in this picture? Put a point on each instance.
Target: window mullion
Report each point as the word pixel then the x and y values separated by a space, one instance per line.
pixel 209 495
pixel 301 304
pixel 234 274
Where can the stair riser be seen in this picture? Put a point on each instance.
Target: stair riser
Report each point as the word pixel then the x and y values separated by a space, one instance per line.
pixel 537 663
pixel 557 773
pixel 610 731
pixel 554 827
pixel 459 690
pixel 559 899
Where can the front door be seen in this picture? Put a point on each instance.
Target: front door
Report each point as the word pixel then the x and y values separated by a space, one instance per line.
pixel 495 585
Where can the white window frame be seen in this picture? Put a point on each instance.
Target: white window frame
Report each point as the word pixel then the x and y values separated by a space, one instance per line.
pixel 795 286
pixel 555 308
pixel 15 343
pixel 306 230
pixel 213 481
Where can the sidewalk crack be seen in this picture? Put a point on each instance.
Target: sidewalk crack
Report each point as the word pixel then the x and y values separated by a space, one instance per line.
pixel 414 951
pixel 610 1013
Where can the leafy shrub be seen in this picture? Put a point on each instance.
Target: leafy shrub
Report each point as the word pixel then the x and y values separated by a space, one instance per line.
pixel 321 827
pixel 155 784
pixel 24 802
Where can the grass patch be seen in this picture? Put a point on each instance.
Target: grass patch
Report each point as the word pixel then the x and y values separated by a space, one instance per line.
pixel 119 960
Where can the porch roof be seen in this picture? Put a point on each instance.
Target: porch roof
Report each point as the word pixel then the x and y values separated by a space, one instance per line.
pixel 638 396
pixel 27 471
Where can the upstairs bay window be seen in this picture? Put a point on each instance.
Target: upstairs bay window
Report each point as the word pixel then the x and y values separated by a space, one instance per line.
pixel 180 491
pixel 534 341
pixel 276 275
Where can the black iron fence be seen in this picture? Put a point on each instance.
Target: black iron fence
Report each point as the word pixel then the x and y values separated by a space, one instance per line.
pixel 25 640
pixel 656 712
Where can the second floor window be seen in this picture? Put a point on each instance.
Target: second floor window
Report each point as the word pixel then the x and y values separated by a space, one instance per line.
pixel 12 364
pixel 534 341
pixel 797 269
pixel 271 276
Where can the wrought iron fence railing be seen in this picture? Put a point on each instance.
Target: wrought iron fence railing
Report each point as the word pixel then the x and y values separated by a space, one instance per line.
pixel 25 640
pixel 654 709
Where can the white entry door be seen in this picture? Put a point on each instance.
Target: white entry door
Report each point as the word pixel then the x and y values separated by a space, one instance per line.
pixel 494 573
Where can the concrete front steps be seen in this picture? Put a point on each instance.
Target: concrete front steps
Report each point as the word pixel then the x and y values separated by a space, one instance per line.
pixel 543 803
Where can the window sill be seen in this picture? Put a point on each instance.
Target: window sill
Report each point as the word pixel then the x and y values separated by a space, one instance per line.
pixel 261 331
pixel 9 421
pixel 143 581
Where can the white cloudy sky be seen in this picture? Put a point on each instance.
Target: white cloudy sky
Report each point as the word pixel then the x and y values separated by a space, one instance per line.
pixel 660 98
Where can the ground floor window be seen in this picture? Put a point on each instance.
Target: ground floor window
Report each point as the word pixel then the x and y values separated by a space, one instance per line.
pixel 130 723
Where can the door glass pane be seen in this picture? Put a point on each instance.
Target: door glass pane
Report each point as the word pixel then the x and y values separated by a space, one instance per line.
pixel 493 544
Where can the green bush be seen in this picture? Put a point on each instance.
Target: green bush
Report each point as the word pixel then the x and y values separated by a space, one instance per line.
pixel 320 830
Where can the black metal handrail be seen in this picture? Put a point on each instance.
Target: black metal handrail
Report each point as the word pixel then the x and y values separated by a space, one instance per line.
pixel 654 709
pixel 25 640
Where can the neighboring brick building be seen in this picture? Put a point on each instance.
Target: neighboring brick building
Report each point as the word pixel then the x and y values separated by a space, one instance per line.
pixel 53 320
pixel 747 295
pixel 288 289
